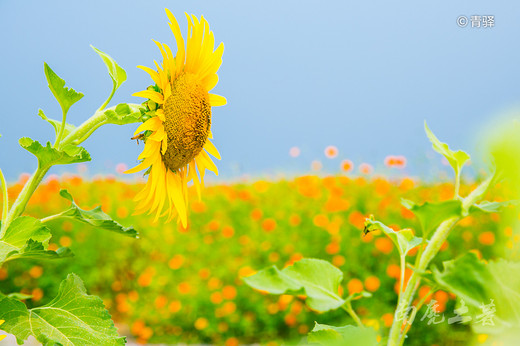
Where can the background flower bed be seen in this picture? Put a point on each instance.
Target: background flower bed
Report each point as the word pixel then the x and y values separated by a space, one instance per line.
pixel 184 285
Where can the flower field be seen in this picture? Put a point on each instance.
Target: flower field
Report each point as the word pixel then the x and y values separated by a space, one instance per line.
pixel 185 285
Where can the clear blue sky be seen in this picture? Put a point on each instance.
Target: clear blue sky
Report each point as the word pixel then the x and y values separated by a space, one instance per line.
pixel 359 75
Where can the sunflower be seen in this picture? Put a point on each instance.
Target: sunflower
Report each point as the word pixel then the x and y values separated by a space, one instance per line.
pixel 177 133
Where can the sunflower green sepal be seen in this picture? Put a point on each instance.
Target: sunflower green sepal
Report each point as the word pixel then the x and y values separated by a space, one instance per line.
pixel 49 156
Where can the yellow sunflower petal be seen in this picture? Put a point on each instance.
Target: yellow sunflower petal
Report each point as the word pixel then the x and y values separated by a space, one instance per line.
pixel 210 148
pixel 151 124
pixel 217 100
pixel 152 95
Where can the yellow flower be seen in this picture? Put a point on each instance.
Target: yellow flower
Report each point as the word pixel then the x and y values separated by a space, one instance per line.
pixel 176 141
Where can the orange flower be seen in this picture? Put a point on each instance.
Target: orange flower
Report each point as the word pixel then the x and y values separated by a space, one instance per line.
pixel 486 238
pixel 354 286
pixel 269 225
pixel 372 283
pixel 346 165
pixel 384 245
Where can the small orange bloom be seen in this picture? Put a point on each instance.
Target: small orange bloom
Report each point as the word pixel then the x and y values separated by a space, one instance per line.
pixel 354 286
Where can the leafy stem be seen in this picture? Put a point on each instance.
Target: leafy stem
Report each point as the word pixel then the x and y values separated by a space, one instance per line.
pixel 431 250
pixel 23 198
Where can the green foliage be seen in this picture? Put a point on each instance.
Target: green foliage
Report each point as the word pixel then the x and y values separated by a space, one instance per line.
pixel 123 114
pixel 404 240
pixel 95 217
pixel 457 159
pixel 504 148
pixel 71 318
pixel 27 237
pixel 346 335
pixel 491 207
pixel 117 74
pixel 49 156
pixel 65 96
pixel 317 279
pixel 57 124
pixel 431 215
pixel 479 284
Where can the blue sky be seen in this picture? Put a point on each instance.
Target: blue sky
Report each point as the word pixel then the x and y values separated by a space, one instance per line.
pixel 362 76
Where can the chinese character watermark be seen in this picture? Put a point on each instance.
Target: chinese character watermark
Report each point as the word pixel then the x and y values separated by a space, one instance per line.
pixel 476 21
pixel 433 316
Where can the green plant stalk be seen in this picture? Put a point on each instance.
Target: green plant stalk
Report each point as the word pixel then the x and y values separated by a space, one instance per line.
pixel 81 133
pixel 433 247
pixel 62 129
pixel 21 201
pixel 348 308
pixel 109 97
pixel 5 206
pixel 403 267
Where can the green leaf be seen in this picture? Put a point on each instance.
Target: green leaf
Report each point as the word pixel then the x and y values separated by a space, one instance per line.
pixel 71 318
pixel 317 279
pixel 115 71
pixel 491 207
pixel 27 237
pixel 346 335
pixel 19 296
pixel 19 233
pixel 404 240
pixel 65 96
pixel 479 284
pixel 431 215
pixel 123 114
pixel 49 156
pixel 457 159
pixel 95 217
pixel 57 124
pixel 37 250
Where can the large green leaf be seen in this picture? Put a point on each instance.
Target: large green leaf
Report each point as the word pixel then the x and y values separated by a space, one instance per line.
pixel 95 217
pixel 479 284
pixel 346 335
pixel 19 232
pixel 317 279
pixel 27 237
pixel 457 159
pixel 65 96
pixel 71 318
pixel 49 156
pixel 431 215
pixel 404 240
pixel 57 124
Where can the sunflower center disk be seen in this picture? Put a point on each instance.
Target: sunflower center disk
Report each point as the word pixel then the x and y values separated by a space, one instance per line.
pixel 187 121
